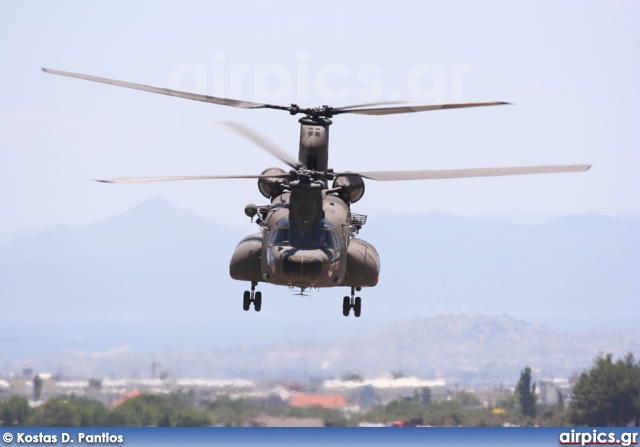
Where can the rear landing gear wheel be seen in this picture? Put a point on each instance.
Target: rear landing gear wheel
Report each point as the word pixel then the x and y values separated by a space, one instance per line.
pixel 346 306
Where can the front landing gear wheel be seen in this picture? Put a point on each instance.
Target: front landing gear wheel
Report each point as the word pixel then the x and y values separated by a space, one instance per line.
pixel 346 306
pixel 252 297
pixel 246 300
pixel 257 302
pixel 352 302
pixel 357 307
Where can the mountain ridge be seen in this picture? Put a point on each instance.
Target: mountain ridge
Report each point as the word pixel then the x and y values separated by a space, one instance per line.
pixel 148 225
pixel 472 350
pixel 154 269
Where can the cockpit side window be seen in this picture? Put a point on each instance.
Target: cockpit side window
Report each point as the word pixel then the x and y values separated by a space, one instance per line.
pixel 282 236
pixel 279 236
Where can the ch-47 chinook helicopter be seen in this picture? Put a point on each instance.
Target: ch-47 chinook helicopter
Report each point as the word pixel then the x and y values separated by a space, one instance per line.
pixel 307 235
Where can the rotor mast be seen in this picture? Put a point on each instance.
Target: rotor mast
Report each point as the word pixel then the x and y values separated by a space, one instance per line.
pixel 314 143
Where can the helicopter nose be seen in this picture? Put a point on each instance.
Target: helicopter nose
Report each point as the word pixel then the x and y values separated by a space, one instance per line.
pixel 299 265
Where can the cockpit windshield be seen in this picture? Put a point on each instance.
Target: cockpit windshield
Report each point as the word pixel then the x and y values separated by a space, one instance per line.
pixel 302 238
pixel 320 237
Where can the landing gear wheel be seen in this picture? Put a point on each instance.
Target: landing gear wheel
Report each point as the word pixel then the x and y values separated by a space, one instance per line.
pixel 252 297
pixel 346 306
pixel 352 302
pixel 257 302
pixel 246 300
pixel 357 307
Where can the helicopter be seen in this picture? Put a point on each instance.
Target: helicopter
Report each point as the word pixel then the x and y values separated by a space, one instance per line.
pixel 308 235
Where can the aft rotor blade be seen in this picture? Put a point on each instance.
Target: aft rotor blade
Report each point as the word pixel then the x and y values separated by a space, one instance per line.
pixel 416 108
pixel 461 173
pixel 169 92
pixel 189 177
pixel 262 142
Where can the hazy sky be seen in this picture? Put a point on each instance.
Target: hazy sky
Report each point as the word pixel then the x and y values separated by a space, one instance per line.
pixel 571 69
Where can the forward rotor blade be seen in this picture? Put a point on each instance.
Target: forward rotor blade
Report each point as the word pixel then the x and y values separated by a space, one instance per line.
pixel 262 142
pixel 460 173
pixel 361 109
pixel 166 91
pixel 189 177
pixel 371 104
pixel 416 108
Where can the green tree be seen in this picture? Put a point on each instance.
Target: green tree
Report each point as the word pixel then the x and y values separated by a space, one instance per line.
pixel 14 411
pixel 230 412
pixel 137 411
pixel 56 412
pixel 189 417
pixel 70 411
pixel 37 387
pixel 608 394
pixel 526 394
pixel 162 410
pixel 402 409
pixel 446 413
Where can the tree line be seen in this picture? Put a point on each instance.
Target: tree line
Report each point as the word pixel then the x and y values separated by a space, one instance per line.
pixel 177 409
pixel 606 395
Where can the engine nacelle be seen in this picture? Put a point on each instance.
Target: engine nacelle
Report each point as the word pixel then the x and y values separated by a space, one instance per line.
pixel 271 186
pixel 351 187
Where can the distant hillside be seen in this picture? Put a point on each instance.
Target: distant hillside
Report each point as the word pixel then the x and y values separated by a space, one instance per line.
pixel 462 348
pixel 482 348
pixel 474 351
pixel 570 272
pixel 149 226
pixel 156 278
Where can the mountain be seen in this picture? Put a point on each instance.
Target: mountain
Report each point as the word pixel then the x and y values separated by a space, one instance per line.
pixel 149 226
pixel 156 278
pixel 471 350
pixel 573 271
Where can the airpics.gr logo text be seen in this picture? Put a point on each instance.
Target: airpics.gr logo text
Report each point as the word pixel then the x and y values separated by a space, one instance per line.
pixel 598 438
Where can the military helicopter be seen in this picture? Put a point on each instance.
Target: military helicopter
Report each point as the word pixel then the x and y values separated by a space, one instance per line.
pixel 308 233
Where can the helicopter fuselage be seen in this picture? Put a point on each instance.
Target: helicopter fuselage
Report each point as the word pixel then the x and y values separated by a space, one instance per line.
pixel 324 252
pixel 307 237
